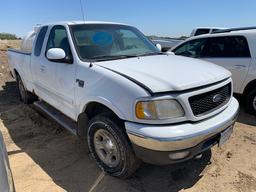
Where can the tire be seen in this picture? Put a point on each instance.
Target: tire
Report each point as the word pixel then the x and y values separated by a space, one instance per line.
pixel 25 96
pixel 110 147
pixel 250 102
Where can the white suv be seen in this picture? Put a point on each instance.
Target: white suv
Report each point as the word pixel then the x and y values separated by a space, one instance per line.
pixel 233 49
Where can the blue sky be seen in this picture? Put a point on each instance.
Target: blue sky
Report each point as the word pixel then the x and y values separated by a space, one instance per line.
pixel 163 17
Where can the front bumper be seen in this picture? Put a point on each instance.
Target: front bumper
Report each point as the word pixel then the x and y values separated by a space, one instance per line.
pixel 164 139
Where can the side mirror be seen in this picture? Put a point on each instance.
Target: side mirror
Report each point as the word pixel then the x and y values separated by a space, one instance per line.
pixel 158 46
pixel 56 55
pixel 170 53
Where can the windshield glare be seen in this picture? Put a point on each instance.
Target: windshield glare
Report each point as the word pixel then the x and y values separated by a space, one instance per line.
pixel 94 41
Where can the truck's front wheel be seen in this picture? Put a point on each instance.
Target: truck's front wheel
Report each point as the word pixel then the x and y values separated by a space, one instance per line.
pixel 110 147
pixel 250 102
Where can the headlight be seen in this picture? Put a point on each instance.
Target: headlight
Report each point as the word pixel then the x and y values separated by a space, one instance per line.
pixel 158 109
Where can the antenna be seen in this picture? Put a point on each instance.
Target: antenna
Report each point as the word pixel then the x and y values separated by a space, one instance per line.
pixel 82 10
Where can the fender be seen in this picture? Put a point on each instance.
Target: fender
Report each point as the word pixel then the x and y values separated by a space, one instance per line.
pixel 102 101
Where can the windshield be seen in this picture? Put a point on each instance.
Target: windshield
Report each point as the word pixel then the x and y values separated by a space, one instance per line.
pixel 99 42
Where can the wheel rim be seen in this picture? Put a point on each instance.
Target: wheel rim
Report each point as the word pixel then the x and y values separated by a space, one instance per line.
pixel 254 103
pixel 22 90
pixel 106 148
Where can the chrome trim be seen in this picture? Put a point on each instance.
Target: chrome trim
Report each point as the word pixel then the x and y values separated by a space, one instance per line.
pixel 216 108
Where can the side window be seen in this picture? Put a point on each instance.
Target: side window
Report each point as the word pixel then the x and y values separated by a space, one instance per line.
pixel 214 47
pixel 58 39
pixel 237 47
pixel 191 48
pixel 231 46
pixel 40 41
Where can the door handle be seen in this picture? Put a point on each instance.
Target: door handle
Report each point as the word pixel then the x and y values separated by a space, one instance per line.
pixel 42 68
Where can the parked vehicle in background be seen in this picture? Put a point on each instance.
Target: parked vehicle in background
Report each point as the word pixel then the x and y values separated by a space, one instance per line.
pixel 233 49
pixel 167 44
pixel 204 30
pixel 6 180
pixel 109 85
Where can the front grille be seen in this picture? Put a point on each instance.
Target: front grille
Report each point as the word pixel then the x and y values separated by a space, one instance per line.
pixel 207 102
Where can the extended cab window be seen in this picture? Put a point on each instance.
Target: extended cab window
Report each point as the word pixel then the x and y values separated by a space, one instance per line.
pixel 40 41
pixel 191 48
pixel 58 39
pixel 230 46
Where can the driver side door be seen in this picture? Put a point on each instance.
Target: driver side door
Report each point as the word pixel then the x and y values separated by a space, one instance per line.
pixel 62 87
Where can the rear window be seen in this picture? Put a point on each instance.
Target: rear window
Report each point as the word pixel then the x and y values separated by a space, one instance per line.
pixel 231 46
pixel 40 41
pixel 202 31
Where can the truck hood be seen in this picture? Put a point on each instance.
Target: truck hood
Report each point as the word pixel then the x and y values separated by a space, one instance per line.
pixel 164 73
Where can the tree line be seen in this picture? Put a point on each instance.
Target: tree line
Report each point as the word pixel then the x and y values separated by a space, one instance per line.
pixel 8 36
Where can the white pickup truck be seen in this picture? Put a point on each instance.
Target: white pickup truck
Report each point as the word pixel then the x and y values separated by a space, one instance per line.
pixel 108 84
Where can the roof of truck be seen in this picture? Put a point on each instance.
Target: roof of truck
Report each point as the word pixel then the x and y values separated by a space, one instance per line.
pixel 81 22
pixel 209 28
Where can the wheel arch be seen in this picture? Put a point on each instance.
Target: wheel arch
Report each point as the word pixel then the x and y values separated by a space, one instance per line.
pixel 249 87
pixel 103 103
pixel 90 110
pixel 17 74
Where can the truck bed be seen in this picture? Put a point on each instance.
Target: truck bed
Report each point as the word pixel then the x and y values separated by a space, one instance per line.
pixel 20 61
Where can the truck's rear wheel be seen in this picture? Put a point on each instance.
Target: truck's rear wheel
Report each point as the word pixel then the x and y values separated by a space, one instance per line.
pixel 111 148
pixel 25 96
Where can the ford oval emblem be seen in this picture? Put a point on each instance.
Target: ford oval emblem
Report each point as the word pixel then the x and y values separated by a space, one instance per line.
pixel 216 98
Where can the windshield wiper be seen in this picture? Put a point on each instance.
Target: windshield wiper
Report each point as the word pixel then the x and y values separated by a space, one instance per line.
pixel 114 57
pixel 110 57
pixel 151 53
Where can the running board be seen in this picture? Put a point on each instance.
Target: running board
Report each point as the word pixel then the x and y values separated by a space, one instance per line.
pixel 57 116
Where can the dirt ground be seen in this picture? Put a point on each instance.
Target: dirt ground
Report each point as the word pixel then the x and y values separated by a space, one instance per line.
pixel 45 157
